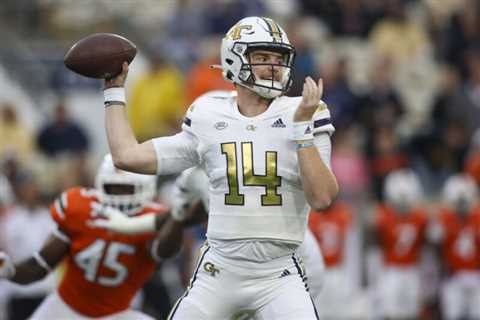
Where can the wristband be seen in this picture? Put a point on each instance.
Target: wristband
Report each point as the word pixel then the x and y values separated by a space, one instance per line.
pixel 302 131
pixel 304 144
pixel 115 95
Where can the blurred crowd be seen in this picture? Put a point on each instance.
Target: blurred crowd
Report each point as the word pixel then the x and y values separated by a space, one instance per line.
pixel 402 82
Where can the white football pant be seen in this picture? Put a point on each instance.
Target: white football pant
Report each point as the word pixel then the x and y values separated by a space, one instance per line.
pixel 399 292
pixel 223 289
pixel 460 296
pixel 53 307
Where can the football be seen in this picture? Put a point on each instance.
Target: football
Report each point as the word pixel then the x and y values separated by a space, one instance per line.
pixel 100 55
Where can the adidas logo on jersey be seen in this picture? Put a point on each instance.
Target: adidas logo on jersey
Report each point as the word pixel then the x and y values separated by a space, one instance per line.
pixel 278 123
pixel 308 130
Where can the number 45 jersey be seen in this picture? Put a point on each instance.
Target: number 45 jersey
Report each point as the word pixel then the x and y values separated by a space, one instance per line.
pixel 251 163
pixel 103 271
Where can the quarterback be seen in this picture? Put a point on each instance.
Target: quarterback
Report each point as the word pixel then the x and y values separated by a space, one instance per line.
pixel 103 270
pixel 267 157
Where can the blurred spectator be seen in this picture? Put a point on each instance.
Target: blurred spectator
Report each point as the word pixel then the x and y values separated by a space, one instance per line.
pixel 16 141
pixel 344 17
pixel 431 160
pixel 386 154
pixel 396 36
pixel 302 31
pixel 350 166
pixel 461 33
pixel 157 101
pixel 25 227
pixel 341 101
pixel 220 15
pixel 202 78
pixel 382 104
pixel 62 135
pixel 445 98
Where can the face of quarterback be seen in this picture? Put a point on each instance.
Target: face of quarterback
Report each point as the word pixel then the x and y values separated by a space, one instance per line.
pixel 268 66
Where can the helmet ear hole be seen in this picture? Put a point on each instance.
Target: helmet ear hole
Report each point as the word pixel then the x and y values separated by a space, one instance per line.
pixel 229 75
pixel 229 61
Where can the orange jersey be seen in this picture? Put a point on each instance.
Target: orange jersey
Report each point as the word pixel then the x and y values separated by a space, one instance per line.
pixel 460 247
pixel 103 270
pixel 401 236
pixel 330 229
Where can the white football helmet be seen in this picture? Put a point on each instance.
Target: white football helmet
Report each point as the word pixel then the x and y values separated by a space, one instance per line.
pixel 126 191
pixel 250 34
pixel 460 192
pixel 403 190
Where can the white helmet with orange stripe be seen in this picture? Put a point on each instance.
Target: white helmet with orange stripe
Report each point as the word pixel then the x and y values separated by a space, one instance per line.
pixel 126 191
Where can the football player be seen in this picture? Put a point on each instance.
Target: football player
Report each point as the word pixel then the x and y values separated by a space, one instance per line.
pixel 331 228
pixel 456 230
pixel 103 270
pixel 399 227
pixel 267 157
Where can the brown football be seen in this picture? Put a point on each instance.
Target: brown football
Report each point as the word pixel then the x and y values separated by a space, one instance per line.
pixel 100 55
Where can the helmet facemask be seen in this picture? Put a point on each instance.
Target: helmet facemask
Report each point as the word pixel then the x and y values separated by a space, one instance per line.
pixel 125 191
pixel 129 198
pixel 280 74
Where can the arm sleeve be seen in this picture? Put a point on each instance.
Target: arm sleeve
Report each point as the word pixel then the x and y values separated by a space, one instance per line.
pixel 176 153
pixel 324 147
pixel 321 120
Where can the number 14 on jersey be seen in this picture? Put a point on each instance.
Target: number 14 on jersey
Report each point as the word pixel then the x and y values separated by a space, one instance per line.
pixel 270 180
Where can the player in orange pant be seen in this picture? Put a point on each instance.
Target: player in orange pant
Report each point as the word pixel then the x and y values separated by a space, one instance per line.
pixel 103 270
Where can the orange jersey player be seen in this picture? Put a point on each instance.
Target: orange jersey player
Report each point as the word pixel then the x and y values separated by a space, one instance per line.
pixel 400 236
pixel 103 270
pixel 399 226
pixel 331 229
pixel 456 230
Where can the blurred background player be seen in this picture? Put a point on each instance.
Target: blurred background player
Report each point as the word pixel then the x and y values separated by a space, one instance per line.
pixel 456 230
pixel 331 228
pixel 399 229
pixel 103 271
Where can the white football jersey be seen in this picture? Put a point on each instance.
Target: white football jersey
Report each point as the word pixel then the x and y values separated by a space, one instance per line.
pixel 251 163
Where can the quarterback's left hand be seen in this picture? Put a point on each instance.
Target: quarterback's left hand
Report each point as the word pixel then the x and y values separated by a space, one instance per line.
pixel 311 95
pixel 7 268
pixel 114 220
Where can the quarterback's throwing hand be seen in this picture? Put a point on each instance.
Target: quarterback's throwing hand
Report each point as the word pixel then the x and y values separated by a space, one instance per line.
pixel 118 80
pixel 7 268
pixel 311 95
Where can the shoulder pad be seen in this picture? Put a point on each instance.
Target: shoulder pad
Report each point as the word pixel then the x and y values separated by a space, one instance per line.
pixel 71 202
pixel 203 108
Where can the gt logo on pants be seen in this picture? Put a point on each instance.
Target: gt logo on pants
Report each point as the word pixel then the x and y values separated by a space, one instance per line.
pixel 210 268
